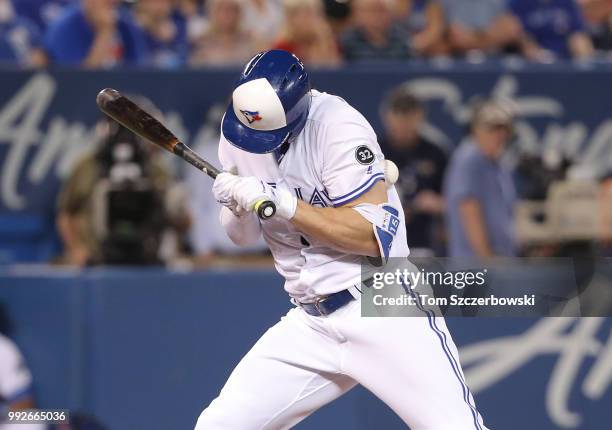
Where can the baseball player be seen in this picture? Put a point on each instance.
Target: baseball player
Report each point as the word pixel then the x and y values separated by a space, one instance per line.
pixel 318 160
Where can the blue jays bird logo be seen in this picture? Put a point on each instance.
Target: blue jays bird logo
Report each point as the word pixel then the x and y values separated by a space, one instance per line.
pixel 251 117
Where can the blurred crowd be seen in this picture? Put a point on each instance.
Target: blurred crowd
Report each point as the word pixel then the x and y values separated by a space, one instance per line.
pixel 480 197
pixel 121 205
pixel 177 33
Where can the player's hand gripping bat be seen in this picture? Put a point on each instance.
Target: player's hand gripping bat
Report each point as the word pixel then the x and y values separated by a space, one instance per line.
pixel 134 118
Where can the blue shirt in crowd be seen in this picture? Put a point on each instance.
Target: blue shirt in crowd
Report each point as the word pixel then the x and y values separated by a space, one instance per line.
pixel 170 54
pixel 18 37
pixel 549 22
pixel 471 175
pixel 40 12
pixel 69 39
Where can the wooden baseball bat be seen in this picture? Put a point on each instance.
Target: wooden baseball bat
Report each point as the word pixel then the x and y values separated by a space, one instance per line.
pixel 134 118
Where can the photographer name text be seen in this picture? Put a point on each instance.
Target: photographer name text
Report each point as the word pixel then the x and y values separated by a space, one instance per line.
pixel 453 300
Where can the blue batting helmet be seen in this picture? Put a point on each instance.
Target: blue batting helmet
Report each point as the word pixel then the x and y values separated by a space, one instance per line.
pixel 270 103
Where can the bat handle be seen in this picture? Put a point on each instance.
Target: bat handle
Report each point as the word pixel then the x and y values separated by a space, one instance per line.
pixel 265 209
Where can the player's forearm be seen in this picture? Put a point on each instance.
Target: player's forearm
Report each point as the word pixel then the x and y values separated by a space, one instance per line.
pixel 342 228
pixel 244 231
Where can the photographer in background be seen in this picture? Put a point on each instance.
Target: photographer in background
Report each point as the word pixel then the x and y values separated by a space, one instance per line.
pixel 121 206
pixel 421 165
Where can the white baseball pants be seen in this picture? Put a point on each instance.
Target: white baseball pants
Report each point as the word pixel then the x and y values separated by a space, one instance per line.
pixel 305 362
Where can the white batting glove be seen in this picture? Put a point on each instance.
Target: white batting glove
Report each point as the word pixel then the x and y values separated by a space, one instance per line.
pixel 284 199
pixel 222 190
pixel 247 191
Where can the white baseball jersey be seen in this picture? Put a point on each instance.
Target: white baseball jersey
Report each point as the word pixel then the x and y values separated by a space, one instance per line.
pixel 333 161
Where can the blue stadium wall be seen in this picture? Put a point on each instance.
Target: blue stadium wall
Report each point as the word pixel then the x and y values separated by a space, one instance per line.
pixel 148 349
pixel 47 120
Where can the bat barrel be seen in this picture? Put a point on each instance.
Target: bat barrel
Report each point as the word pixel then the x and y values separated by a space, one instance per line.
pixel 106 96
pixel 131 116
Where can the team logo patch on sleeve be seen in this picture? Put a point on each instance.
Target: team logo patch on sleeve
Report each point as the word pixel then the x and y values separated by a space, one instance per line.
pixel 364 155
pixel 250 116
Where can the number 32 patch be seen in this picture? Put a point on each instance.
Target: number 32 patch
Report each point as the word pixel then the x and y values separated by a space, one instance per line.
pixel 364 155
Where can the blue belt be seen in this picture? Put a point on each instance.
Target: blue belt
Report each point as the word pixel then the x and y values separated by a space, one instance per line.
pixel 326 305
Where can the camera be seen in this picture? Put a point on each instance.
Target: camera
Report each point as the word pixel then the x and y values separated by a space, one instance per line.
pixel 128 209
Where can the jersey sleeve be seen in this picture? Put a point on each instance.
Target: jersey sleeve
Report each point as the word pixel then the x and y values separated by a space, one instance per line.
pixel 351 162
